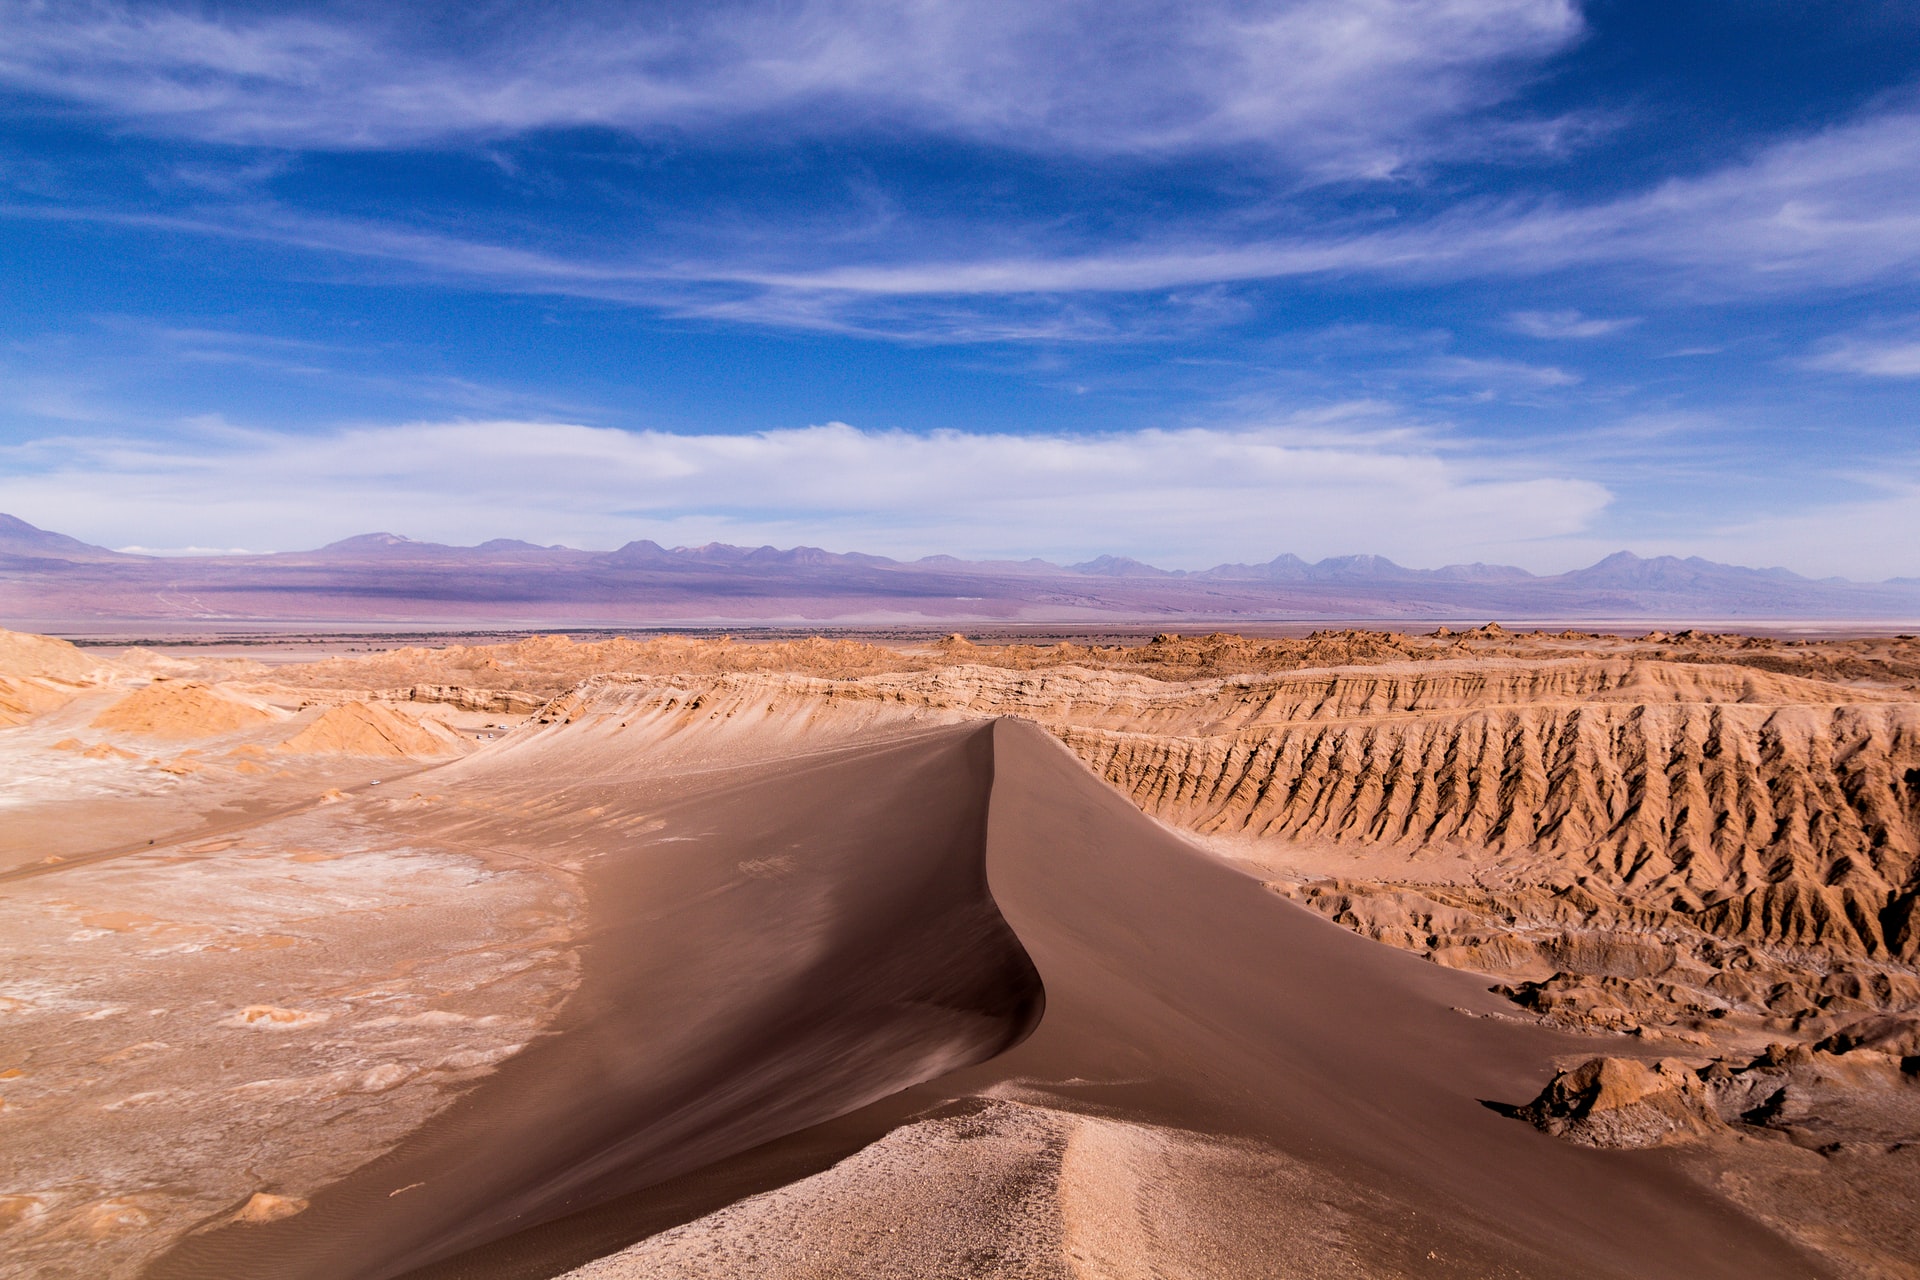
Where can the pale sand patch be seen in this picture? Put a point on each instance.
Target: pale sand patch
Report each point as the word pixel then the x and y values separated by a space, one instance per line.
pixel 147 1102
pixel 956 1196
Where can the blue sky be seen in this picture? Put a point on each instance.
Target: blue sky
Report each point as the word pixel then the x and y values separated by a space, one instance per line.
pixel 1447 280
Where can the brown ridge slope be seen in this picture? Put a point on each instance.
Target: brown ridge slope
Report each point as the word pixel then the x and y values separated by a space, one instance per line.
pixel 1348 1057
pixel 1764 806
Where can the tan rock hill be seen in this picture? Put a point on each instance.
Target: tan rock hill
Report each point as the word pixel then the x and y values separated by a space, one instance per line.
pixel 39 674
pixel 181 709
pixel 23 699
pixel 541 667
pixel 29 656
pixel 370 729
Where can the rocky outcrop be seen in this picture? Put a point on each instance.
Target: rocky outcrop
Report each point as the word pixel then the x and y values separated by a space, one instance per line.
pixel 505 702
pixel 1853 1087
pixel 1623 1102
pixel 1897 1037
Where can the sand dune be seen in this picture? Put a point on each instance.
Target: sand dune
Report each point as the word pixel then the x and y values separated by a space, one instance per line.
pixel 1643 842
pixel 865 954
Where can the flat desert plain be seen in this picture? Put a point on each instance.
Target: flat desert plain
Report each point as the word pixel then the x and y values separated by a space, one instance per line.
pixel 1361 954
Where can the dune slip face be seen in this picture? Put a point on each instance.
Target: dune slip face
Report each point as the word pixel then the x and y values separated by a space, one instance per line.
pixel 769 947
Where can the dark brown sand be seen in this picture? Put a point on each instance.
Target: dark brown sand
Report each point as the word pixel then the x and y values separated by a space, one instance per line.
pixel 800 936
pixel 1184 992
pixel 788 944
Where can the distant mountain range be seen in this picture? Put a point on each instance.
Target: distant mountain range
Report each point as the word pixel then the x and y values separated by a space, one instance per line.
pixel 51 581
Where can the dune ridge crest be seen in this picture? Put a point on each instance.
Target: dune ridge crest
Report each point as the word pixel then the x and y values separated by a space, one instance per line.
pixel 1624 848
pixel 1763 806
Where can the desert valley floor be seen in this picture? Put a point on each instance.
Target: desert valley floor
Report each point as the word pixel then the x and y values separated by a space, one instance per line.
pixel 1356 954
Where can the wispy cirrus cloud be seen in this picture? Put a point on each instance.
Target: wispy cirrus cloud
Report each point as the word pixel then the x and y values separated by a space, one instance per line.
pixel 1872 356
pixel 1824 210
pixel 1324 88
pixel 1351 89
pixel 1567 324
pixel 1493 373
pixel 1835 207
pixel 1830 209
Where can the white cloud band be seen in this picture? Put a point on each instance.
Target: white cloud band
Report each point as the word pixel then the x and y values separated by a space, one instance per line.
pixel 1346 480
